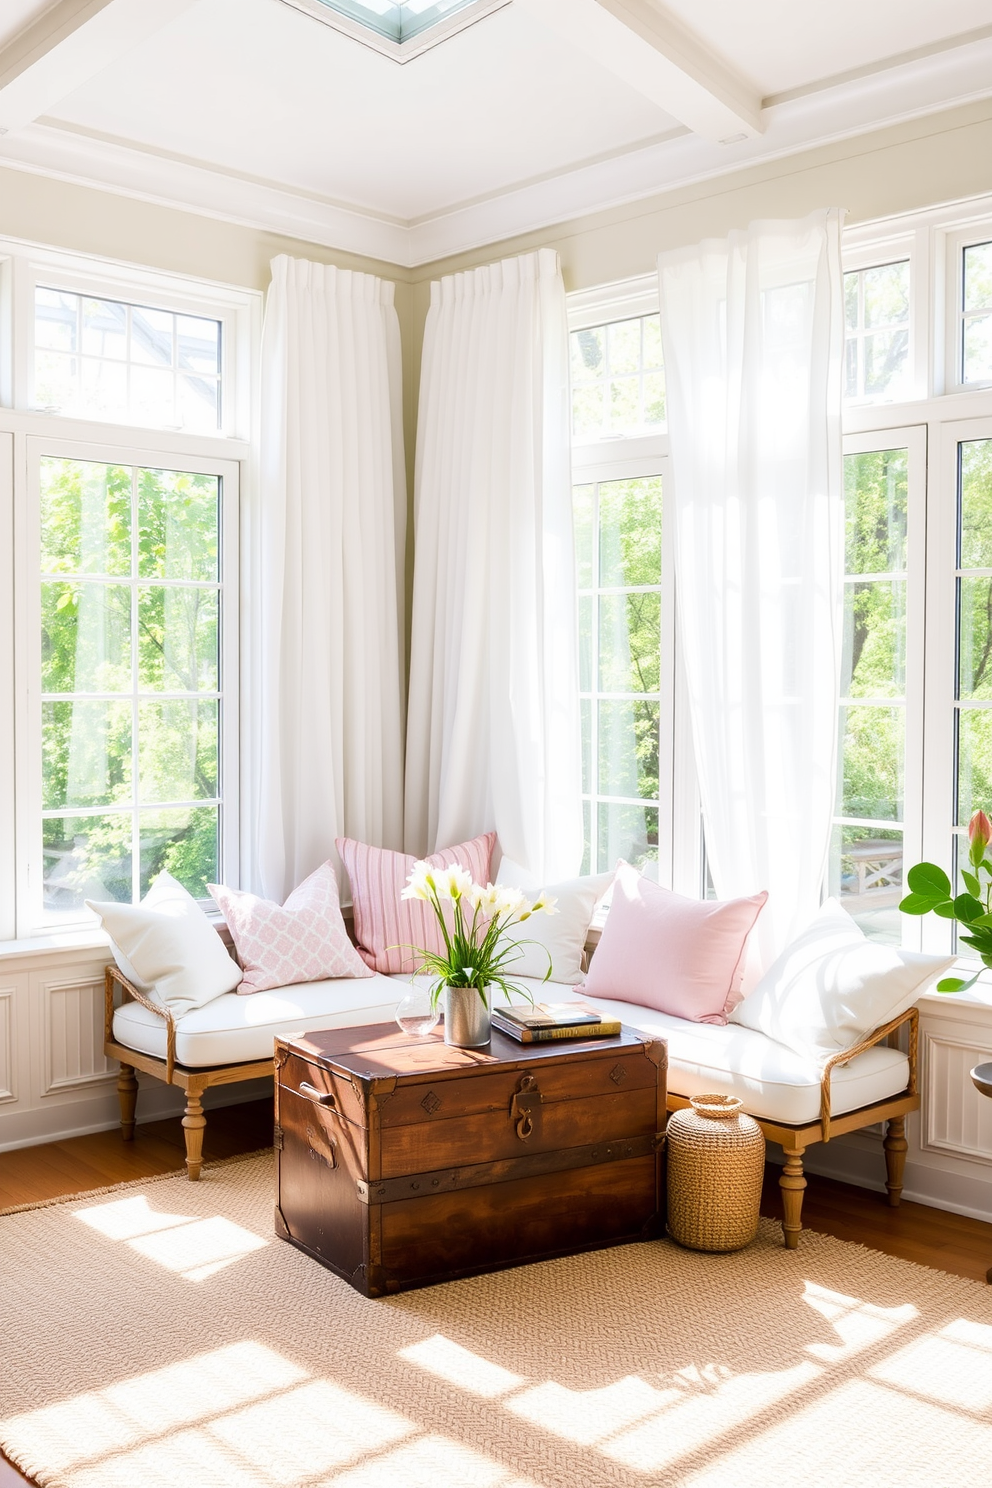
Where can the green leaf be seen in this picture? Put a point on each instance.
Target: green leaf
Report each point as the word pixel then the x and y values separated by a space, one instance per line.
pixel 927 878
pixel 968 909
pixel 971 883
pixel 945 910
pixel 982 941
pixel 955 984
pixel 919 904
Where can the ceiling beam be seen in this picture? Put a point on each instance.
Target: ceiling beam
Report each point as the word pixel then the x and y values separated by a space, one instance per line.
pixel 649 48
pixel 69 43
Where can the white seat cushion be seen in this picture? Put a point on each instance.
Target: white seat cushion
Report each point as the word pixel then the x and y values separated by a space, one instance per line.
pixel 233 1029
pixel 773 1082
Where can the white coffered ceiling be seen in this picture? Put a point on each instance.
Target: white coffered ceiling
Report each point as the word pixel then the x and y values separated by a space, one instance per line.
pixel 542 109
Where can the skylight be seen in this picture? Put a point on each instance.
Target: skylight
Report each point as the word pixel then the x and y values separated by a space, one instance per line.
pixel 400 28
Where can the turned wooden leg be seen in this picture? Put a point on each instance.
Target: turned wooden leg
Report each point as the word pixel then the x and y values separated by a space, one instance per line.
pixel 792 1183
pixel 896 1147
pixel 127 1091
pixel 194 1121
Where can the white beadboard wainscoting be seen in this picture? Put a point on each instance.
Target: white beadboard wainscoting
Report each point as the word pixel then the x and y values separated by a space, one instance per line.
pixel 55 1082
pixel 54 1079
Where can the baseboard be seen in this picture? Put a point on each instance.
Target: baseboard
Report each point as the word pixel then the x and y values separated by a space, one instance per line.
pixel 156 1102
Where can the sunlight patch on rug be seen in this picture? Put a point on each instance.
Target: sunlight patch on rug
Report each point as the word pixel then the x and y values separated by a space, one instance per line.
pixel 952 1367
pixel 196 1248
pixel 858 1324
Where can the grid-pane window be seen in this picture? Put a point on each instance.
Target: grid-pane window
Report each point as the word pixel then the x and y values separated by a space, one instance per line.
pixel 976 328
pixel 867 850
pixel 618 381
pixel 974 629
pixel 104 359
pixel 131 680
pixel 876 350
pixel 618 544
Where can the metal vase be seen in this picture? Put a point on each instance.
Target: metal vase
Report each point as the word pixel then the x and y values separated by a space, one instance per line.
pixel 467 1023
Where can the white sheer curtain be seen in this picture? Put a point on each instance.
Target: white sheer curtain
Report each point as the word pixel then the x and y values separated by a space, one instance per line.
pixel 323 601
pixel 752 330
pixel 493 732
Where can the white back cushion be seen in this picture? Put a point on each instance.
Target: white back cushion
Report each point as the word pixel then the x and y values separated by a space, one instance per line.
pixel 167 946
pixel 833 985
pixel 561 935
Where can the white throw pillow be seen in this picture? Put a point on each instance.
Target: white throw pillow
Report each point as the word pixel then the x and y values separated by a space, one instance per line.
pixel 833 985
pixel 561 935
pixel 168 947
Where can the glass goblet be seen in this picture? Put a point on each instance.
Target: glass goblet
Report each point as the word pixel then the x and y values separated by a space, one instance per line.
pixel 416 1013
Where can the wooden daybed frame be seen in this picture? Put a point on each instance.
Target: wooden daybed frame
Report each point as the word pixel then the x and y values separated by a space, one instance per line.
pixel 793 1139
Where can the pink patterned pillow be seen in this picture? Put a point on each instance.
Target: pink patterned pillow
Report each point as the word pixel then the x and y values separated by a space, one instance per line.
pixel 680 956
pixel 385 924
pixel 303 941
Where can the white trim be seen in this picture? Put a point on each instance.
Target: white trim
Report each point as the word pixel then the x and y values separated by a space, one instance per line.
pixel 628 299
pixel 830 113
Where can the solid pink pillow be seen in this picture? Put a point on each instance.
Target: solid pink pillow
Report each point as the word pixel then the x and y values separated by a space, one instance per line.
pixel 680 956
pixel 385 924
pixel 304 940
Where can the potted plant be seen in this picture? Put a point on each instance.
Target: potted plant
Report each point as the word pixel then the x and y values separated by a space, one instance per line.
pixel 477 950
pixel 930 890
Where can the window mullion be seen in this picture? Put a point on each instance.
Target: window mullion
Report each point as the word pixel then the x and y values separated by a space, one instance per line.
pixel 135 640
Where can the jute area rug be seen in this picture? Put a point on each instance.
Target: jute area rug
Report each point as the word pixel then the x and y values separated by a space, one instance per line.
pixel 159 1335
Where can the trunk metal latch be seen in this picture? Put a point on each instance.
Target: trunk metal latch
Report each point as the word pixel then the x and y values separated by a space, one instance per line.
pixel 524 1106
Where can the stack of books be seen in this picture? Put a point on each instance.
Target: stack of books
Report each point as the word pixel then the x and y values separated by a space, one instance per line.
pixel 540 1022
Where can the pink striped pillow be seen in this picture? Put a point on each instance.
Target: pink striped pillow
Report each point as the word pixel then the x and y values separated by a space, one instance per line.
pixel 386 925
pixel 304 940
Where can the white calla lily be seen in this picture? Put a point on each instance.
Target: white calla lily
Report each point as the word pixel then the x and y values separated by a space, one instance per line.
pixel 420 884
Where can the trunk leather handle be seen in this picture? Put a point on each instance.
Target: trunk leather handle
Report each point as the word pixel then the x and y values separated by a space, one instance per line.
pixel 322 1097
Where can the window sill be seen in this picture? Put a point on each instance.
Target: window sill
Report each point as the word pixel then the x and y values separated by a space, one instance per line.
pixel 82 938
pixel 49 945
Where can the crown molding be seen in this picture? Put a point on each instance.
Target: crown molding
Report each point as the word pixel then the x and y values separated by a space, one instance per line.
pixel 839 111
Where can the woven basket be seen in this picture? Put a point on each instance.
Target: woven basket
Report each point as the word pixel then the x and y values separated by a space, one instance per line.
pixel 716 1161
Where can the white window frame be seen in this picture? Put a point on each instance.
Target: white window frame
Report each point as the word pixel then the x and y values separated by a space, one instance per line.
pixel 954 245
pixel 941 657
pixel 912 438
pixel 227 452
pixel 30 887
pixel 872 254
pixel 26 267
pixel 623 457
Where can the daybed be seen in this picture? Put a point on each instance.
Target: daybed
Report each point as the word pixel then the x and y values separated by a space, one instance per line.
pixel 797 1104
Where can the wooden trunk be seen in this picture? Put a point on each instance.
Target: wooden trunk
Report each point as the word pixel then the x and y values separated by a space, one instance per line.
pixel 403 1162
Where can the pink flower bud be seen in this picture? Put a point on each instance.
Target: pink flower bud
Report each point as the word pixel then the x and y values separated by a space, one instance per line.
pixel 980 829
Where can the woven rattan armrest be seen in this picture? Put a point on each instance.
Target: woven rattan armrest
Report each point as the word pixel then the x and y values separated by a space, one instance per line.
pixel 114 975
pixel 910 1016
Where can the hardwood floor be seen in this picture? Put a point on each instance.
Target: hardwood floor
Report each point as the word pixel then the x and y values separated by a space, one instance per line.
pixel 914 1232
pixel 32 1174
